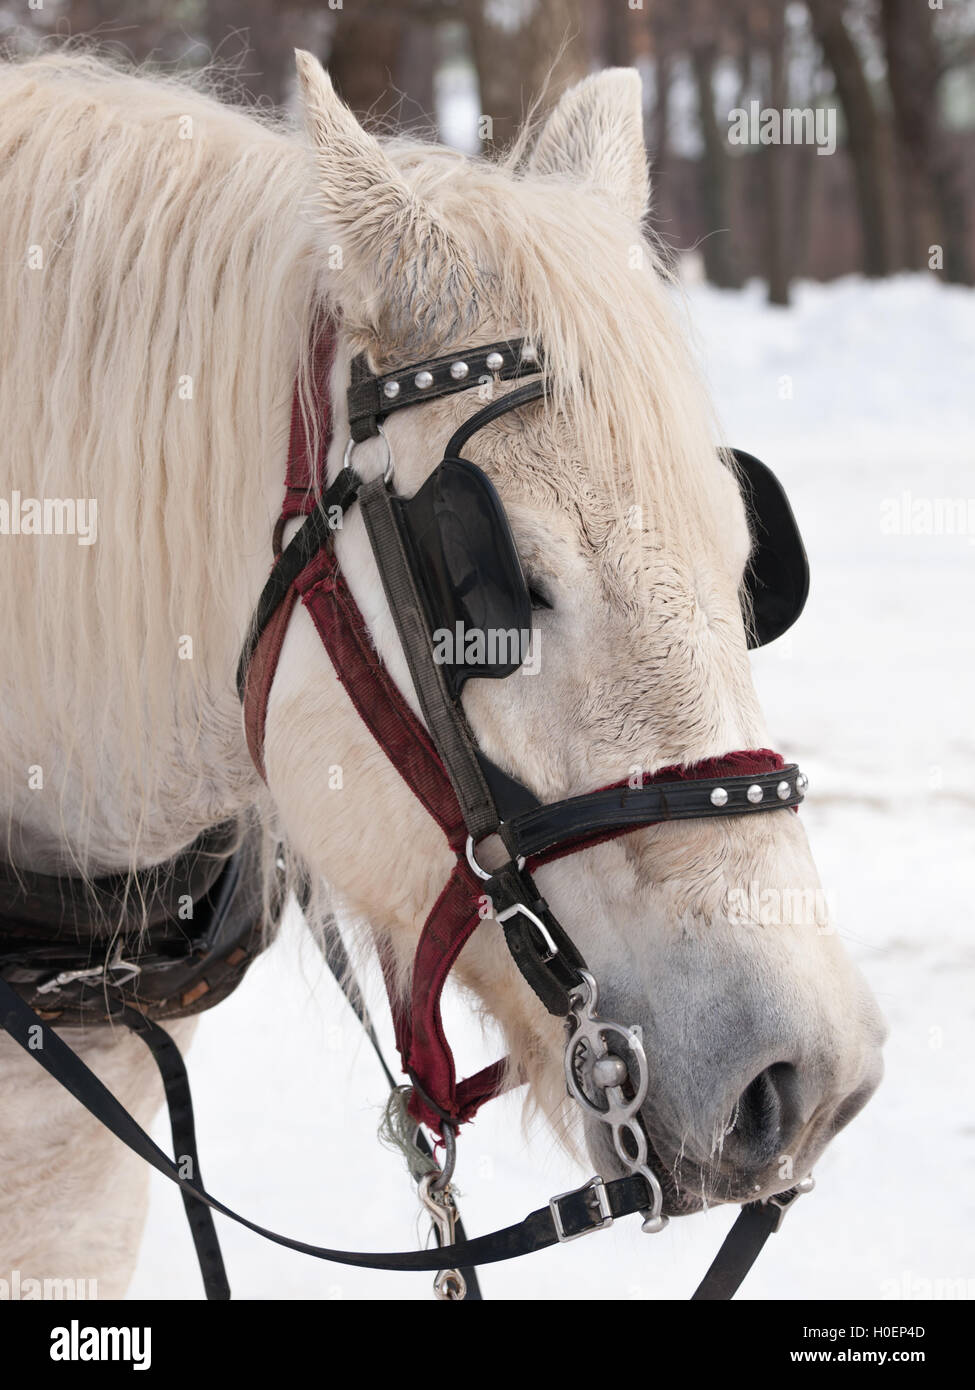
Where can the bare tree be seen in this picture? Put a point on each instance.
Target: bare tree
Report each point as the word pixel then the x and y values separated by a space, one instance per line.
pixel 514 65
pixel 776 205
pixel 364 61
pixel 714 166
pixel 863 132
pixel 929 162
pixel 258 39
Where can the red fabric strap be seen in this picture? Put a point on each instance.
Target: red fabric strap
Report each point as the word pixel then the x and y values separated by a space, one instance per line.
pixel 305 472
pixel 420 1036
pixel 740 764
pixel 428 1057
pixel 260 675
pixel 375 695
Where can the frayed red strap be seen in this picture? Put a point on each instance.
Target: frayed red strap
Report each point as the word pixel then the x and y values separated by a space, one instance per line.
pixel 305 473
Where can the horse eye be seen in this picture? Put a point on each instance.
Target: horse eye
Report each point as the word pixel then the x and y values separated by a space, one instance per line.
pixel 538 599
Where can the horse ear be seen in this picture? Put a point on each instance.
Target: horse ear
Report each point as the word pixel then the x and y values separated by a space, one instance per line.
pixel 402 264
pixel 595 136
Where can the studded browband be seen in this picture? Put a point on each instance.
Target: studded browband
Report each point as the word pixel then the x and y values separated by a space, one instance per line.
pixel 371 398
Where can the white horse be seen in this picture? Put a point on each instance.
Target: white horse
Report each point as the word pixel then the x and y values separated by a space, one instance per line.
pixel 166 260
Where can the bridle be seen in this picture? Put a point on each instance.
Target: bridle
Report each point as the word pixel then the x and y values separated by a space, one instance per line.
pixel 473 801
pixel 469 796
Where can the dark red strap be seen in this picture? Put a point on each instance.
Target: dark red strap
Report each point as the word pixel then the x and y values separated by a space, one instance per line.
pixel 428 1057
pixel 305 472
pixel 260 675
pixel 740 764
pixel 420 1037
pixel 419 1028
pixel 376 696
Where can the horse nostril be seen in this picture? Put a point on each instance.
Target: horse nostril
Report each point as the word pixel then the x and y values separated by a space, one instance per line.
pixel 766 1115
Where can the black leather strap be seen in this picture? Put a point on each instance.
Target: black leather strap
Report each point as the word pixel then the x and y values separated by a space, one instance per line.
pixel 523 395
pixel 45 906
pixel 314 533
pixel 180 966
pixel 741 1248
pixel 573 1214
pixel 176 1085
pixel 551 974
pixel 614 809
pixel 369 400
pixel 443 715
pixel 578 1211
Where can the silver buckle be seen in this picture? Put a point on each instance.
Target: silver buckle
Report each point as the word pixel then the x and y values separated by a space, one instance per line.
pixel 521 910
pixel 126 970
pixel 596 1185
pixel 784 1200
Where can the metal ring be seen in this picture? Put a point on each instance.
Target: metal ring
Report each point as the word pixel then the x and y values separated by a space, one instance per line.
pixel 388 470
pixel 442 1179
pixel 469 851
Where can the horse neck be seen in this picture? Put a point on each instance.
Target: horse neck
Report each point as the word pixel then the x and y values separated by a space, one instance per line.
pixel 134 733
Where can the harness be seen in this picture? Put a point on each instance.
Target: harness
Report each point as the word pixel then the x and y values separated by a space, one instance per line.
pixel 449 564
pixel 182 934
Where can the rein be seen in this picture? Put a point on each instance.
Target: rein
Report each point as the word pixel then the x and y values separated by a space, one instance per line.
pixel 471 799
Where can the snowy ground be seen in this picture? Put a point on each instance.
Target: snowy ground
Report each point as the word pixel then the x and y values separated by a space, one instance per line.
pixel 872 694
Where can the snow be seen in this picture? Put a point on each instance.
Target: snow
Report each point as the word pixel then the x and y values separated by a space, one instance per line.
pixel 872 695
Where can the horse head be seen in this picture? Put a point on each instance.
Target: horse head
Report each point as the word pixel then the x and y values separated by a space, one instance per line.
pixel 711 935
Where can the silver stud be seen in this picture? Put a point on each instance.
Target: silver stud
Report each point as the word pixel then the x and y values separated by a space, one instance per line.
pixel 529 354
pixel 754 793
pixel 802 782
pixel 719 797
pixel 609 1071
pixel 458 370
pixel 494 361
pixel 783 791
pixel 423 380
pixel 391 390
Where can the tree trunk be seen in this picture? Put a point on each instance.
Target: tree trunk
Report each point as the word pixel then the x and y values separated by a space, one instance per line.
pixel 714 177
pixel 262 37
pixel 364 61
pixel 932 173
pixel 863 133
pixel 777 263
pixel 513 66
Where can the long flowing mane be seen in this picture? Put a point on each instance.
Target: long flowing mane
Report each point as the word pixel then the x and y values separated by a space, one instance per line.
pixel 152 336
